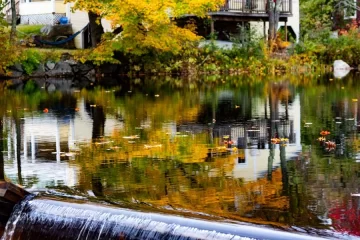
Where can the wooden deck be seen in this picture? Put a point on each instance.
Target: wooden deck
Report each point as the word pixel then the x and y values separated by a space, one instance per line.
pixel 249 10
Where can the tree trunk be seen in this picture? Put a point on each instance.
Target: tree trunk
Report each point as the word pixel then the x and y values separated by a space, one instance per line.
pixel 2 172
pixel 274 7
pixel 13 20
pixel 96 29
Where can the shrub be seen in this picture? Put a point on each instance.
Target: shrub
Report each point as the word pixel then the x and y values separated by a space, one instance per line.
pixel 30 60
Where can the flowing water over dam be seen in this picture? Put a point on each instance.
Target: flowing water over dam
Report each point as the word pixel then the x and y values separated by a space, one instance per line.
pixel 49 219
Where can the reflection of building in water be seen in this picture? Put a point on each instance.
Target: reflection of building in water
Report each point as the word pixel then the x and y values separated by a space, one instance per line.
pixel 254 136
pixel 47 142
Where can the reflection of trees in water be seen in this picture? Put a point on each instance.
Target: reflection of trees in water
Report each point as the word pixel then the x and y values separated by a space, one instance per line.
pixel 97 113
pixel 18 144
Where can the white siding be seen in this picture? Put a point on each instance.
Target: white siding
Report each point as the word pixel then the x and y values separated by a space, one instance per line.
pixel 294 21
pixel 60 7
pixel 79 19
pixel 30 8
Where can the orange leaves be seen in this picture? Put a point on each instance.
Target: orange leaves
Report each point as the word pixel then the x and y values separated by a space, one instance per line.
pixel 329 145
pixel 324 133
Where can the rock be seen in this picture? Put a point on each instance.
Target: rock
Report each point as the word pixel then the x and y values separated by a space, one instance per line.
pixel 39 72
pixel 16 71
pixel 61 69
pixel 72 62
pixel 18 67
pixel 341 69
pixel 81 69
pixel 49 65
pixel 15 74
pixel 340 64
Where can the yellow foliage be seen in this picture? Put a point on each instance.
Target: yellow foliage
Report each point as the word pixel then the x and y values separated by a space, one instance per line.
pixel 148 24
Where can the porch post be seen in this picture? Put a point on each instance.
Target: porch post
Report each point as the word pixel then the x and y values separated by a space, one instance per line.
pixel 53 12
pixel 242 32
pixel 264 29
pixel 53 5
pixel 286 32
pixel 212 26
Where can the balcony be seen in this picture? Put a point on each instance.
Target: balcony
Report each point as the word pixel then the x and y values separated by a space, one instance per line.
pixel 251 9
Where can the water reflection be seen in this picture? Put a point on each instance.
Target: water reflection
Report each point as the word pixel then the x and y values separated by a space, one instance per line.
pixel 242 150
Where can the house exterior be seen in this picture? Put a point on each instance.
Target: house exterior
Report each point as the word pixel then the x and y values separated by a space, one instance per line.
pixel 41 11
pixel 79 19
pixel 252 15
pixel 235 14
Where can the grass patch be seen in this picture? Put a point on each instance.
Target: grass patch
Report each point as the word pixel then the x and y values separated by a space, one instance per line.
pixel 26 30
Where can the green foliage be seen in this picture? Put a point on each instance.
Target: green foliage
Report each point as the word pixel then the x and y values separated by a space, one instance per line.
pixel 30 60
pixel 315 15
pixel 9 53
pixel 326 49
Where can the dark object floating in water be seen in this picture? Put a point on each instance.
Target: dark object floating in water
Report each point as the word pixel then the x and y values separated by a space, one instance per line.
pixel 49 219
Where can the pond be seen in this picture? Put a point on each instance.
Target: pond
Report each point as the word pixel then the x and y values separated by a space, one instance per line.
pixel 282 152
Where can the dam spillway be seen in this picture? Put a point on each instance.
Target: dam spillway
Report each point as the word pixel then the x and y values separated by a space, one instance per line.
pixel 50 219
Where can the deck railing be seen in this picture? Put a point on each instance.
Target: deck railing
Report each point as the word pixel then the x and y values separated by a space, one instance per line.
pixel 254 6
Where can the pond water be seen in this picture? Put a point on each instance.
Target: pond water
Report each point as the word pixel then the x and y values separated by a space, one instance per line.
pixel 282 151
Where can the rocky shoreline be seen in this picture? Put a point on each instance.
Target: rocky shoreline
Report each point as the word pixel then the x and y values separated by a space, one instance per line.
pixel 62 68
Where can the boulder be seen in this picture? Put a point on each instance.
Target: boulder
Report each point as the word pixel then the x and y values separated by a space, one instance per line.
pixel 16 71
pixel 39 72
pixel 49 65
pixel 340 64
pixel 341 69
pixel 18 67
pixel 81 69
pixel 14 74
pixel 61 69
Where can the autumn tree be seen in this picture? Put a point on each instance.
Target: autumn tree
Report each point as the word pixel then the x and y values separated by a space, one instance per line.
pixel 8 53
pixel 147 25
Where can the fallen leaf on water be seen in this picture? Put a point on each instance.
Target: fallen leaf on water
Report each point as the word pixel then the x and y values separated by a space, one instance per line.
pixel 131 137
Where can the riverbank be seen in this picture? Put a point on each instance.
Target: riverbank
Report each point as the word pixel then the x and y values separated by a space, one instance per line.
pixel 63 64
